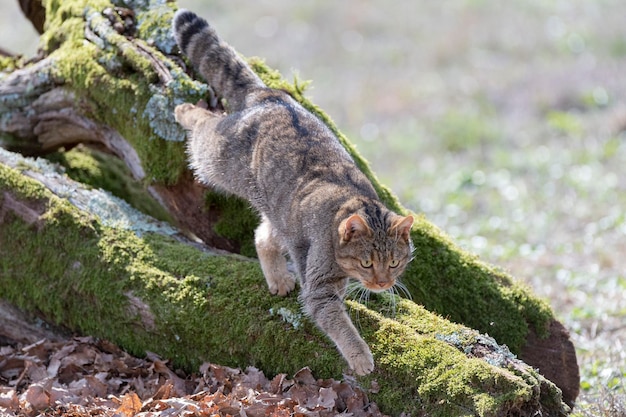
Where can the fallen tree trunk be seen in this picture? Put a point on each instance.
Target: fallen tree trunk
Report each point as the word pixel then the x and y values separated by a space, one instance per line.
pixel 109 76
pixel 99 267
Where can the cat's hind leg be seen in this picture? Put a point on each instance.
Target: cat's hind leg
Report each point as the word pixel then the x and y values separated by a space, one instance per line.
pixel 273 263
pixel 188 115
pixel 204 145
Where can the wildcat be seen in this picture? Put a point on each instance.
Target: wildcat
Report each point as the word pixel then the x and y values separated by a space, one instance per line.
pixel 315 204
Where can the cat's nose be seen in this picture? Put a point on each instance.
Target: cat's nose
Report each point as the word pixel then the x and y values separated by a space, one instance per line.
pixel 382 284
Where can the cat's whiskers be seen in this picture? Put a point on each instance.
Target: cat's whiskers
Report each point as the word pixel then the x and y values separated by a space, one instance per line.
pixel 365 296
pixel 393 293
pixel 353 288
pixel 358 292
pixel 405 291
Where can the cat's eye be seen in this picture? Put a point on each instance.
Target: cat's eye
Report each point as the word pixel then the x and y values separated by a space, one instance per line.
pixel 366 263
pixel 394 263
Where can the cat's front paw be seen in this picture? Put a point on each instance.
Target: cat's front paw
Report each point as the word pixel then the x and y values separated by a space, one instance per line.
pixel 361 363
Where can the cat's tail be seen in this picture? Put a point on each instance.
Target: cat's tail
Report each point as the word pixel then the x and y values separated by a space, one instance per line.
pixel 216 61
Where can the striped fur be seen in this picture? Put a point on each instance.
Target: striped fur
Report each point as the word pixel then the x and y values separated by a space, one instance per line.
pixel 217 62
pixel 315 204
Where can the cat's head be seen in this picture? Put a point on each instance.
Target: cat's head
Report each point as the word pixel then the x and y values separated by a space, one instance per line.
pixel 374 248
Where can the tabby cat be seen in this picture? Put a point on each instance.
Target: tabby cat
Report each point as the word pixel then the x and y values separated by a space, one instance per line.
pixel 315 204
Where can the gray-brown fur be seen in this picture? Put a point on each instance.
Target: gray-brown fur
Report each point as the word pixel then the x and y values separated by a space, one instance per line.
pixel 315 204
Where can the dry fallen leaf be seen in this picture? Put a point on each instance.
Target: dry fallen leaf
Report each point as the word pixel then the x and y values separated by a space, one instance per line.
pixel 89 377
pixel 8 399
pixel 326 398
pixel 35 398
pixel 130 405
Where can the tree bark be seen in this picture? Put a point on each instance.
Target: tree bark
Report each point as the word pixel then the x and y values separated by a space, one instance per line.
pixel 111 77
pixel 16 326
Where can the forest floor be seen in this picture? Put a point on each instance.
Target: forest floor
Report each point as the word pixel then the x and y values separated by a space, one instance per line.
pixel 503 122
pixel 83 377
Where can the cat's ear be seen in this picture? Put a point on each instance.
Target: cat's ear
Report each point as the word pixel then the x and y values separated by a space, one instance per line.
pixel 353 226
pixel 402 226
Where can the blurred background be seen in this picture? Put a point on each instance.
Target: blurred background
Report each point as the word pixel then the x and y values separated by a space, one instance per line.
pixel 503 122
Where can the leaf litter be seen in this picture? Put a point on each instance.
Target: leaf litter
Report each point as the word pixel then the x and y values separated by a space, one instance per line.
pixel 85 376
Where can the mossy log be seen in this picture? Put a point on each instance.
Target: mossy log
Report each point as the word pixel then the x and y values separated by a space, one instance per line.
pixel 108 74
pixel 82 258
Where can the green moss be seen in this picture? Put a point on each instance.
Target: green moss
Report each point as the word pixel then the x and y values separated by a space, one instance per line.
pixel 24 250
pixel 8 64
pixel 90 268
pixel 439 375
pixel 457 285
pixel 443 380
pixel 136 60
pixel 13 181
pixel 236 221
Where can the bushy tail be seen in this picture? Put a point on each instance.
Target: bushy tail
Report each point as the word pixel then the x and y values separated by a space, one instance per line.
pixel 216 61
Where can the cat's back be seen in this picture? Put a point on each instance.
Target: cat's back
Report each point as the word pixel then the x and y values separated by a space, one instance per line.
pixel 284 123
pixel 284 136
pixel 293 155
